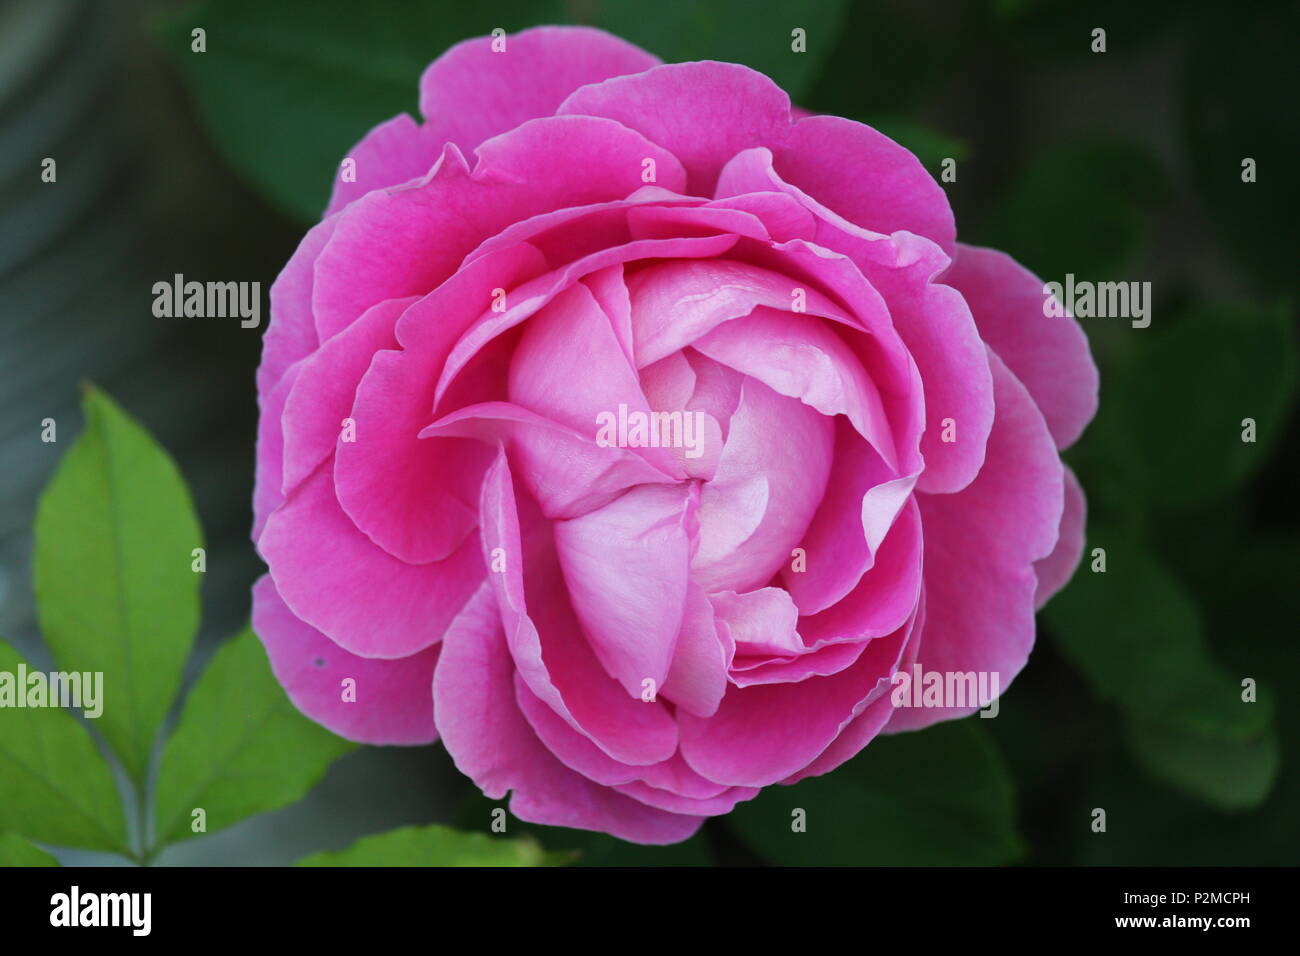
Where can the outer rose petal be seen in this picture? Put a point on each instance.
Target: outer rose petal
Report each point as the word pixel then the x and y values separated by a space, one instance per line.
pixel 394 703
pixel 354 592
pixel 492 743
pixel 1055 570
pixel 865 177
pixel 980 547
pixel 1049 354
pixel 393 152
pixel 472 93
pixel 704 113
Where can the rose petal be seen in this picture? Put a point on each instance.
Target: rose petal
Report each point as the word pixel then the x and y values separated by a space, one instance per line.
pixel 394 699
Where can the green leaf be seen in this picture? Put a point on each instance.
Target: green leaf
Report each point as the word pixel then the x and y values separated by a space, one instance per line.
pixel 1223 770
pixel 240 747
pixel 1169 434
pixel 15 851
pixel 1136 638
pixel 115 530
pixel 437 846
pixel 286 89
pixel 757 33
pixel 937 797
pixel 54 784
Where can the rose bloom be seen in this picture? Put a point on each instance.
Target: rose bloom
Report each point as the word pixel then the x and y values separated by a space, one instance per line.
pixel 854 470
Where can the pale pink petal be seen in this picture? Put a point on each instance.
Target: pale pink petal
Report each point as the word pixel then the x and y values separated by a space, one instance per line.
pixel 855 514
pixel 627 566
pixel 564 470
pixel 697 678
pixel 546 640
pixel 770 479
pixel 762 623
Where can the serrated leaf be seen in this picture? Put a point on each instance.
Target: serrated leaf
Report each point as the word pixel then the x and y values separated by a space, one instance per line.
pixel 54 784
pixel 15 851
pixel 240 747
pixel 937 797
pixel 1137 640
pixel 437 846
pixel 286 89
pixel 115 591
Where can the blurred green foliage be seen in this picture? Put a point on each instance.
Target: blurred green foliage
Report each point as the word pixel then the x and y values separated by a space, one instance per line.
pixel 1125 166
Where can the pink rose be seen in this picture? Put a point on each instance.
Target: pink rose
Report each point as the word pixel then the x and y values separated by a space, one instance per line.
pixel 633 455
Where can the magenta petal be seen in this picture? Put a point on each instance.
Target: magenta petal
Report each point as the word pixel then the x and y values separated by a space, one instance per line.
pixel 865 177
pixel 697 679
pixel 854 516
pixel 798 356
pixel 269 464
pixel 936 324
pixel 724 802
pixel 491 742
pixel 418 498
pixel 565 471
pixel 884 598
pixel 406 240
pixel 1055 570
pixel 703 112
pixel 765 733
pixel 546 640
pixel 393 152
pixel 627 567
pixel 568 341
pixel 675 303
pixel 763 623
pixel 1048 353
pixel 770 479
pixel 291 335
pixel 326 385
pixel 354 592
pixel 980 613
pixel 394 698
pixel 473 92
